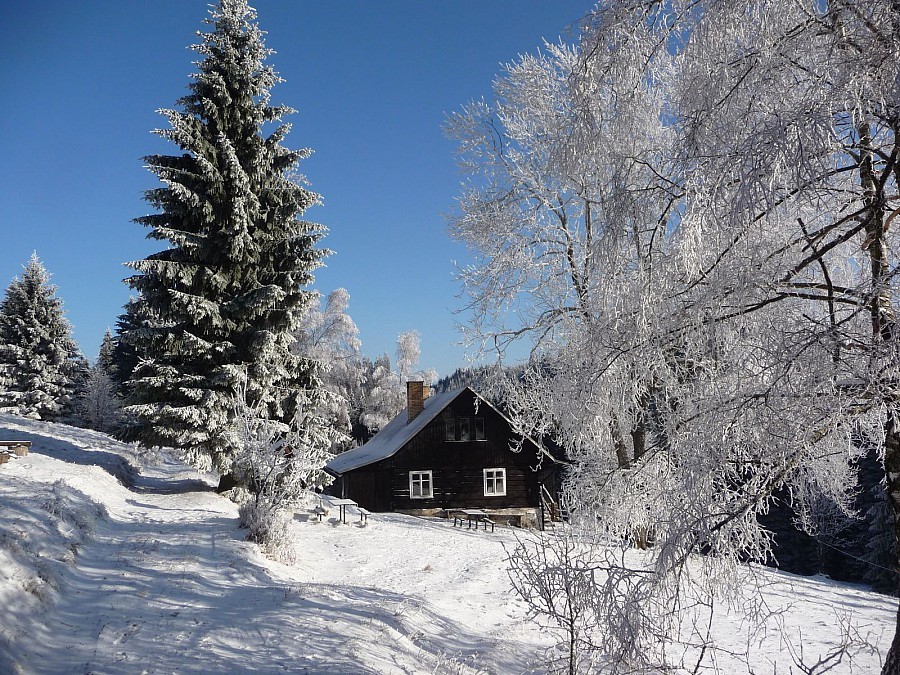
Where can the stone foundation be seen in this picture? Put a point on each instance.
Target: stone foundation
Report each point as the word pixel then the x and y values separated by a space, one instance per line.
pixel 520 517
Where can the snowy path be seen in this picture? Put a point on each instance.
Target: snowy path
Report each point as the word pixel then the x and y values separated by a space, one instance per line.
pixel 165 582
pixel 157 578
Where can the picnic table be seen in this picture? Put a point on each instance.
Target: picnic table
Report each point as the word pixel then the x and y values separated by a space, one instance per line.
pixel 473 516
pixel 342 505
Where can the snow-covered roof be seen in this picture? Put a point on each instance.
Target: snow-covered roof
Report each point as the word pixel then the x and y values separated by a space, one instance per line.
pixel 394 436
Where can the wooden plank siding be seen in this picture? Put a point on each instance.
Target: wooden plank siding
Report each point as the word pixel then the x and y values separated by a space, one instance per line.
pixel 457 467
pixel 369 487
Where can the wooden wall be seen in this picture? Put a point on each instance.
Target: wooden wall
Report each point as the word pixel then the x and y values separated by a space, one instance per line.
pixel 457 467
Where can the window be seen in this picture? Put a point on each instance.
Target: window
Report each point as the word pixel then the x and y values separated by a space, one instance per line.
pixel 420 485
pixel 450 430
pixel 464 429
pixel 494 482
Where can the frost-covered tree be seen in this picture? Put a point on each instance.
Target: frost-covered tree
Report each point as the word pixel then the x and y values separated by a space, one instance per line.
pixel 686 215
pixel 98 405
pixel 408 352
pixel 225 298
pixel 330 336
pixel 39 360
pixel 383 399
pixel 385 388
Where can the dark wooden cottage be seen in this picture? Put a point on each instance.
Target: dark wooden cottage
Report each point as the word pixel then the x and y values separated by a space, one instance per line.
pixel 448 451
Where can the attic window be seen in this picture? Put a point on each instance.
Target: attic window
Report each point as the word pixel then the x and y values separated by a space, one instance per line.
pixel 464 429
pixel 494 482
pixel 420 485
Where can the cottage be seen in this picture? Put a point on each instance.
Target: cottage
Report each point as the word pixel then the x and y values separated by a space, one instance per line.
pixel 444 452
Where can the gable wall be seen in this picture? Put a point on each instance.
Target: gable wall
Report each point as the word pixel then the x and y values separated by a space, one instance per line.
pixel 457 467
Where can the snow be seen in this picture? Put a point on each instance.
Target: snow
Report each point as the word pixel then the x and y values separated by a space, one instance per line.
pixel 112 560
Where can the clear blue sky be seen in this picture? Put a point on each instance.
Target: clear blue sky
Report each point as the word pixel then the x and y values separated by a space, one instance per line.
pixel 372 81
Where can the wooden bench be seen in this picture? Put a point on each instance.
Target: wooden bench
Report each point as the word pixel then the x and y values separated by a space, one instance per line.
pixel 320 511
pixel 17 448
pixel 12 449
pixel 364 516
pixel 487 521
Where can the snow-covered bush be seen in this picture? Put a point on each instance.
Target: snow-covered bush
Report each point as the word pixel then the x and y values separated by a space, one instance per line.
pixel 275 467
pixel 554 575
pixel 269 526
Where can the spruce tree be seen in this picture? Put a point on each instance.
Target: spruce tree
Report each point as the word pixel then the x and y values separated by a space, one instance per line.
pixel 98 405
pixel 39 360
pixel 106 355
pixel 216 310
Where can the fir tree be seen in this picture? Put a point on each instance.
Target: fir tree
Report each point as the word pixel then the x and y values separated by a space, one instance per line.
pixel 106 356
pixel 99 406
pixel 127 346
pixel 223 301
pixel 39 360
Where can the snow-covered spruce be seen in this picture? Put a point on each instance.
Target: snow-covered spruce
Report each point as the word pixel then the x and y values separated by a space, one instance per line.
pixel 98 405
pixel 39 360
pixel 224 299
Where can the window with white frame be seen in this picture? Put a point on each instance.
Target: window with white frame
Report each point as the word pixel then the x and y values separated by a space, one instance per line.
pixel 494 482
pixel 420 485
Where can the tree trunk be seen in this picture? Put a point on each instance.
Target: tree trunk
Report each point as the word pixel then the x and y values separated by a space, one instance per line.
pixel 892 661
pixel 892 471
pixel 884 353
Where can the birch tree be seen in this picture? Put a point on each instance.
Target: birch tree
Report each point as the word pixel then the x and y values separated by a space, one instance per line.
pixel 330 336
pixel 686 215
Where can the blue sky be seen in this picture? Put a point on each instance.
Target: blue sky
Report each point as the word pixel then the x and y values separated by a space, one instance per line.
pixel 372 81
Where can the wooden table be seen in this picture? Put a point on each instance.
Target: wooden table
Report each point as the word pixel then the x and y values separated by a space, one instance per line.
pixel 342 505
pixel 474 516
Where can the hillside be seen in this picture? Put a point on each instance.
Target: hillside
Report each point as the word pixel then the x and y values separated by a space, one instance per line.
pixel 116 561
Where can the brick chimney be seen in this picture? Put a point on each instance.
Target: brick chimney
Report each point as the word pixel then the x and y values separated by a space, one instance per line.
pixel 416 393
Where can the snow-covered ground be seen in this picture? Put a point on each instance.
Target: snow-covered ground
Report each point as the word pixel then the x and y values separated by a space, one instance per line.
pixel 116 562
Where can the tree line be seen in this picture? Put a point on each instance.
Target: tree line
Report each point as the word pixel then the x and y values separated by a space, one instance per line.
pixel 44 374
